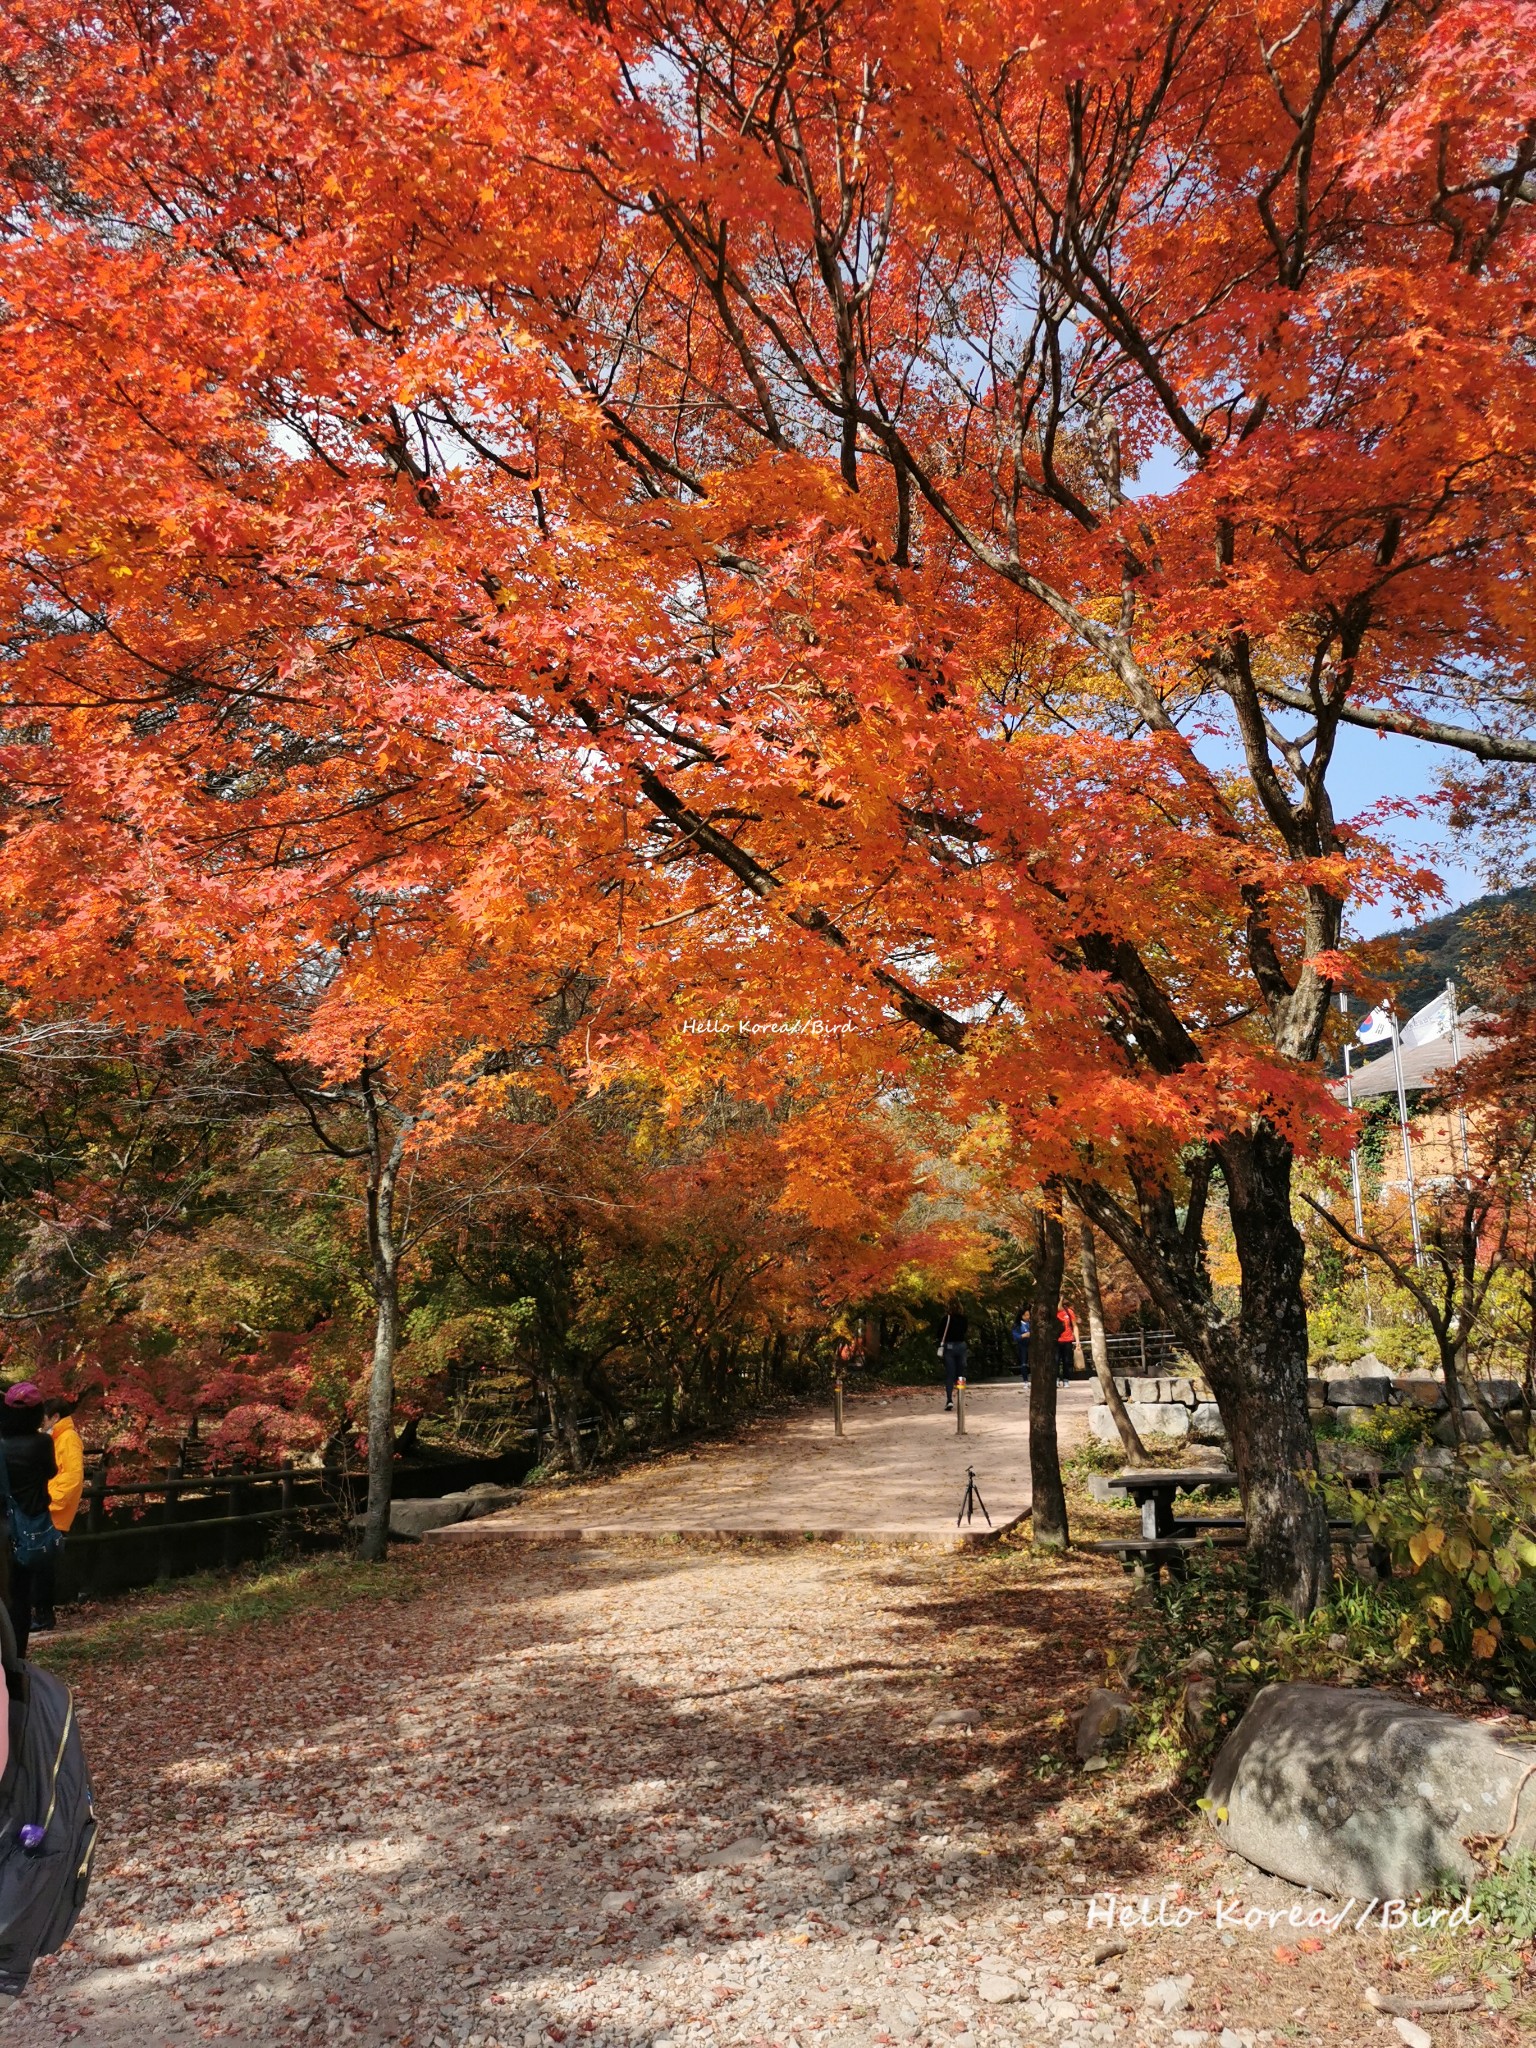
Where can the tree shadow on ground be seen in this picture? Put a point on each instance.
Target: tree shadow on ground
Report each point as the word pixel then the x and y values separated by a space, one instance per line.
pixel 454 1812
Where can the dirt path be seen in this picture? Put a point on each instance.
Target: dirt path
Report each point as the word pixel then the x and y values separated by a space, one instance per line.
pixel 898 1471
pixel 654 1796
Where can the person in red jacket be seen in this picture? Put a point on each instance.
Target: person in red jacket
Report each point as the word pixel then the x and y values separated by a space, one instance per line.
pixel 1066 1342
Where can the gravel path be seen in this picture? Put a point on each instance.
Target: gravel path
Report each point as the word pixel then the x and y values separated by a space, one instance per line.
pixel 644 1795
pixel 899 1471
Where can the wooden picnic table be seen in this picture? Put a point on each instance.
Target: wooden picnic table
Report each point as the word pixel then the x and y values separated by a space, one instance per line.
pixel 1155 1489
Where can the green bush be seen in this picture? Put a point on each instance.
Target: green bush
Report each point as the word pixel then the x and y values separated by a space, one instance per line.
pixel 1463 1544
pixel 1507 1899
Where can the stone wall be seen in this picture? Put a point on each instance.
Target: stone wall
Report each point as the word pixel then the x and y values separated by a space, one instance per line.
pixel 1183 1407
pixel 1160 1407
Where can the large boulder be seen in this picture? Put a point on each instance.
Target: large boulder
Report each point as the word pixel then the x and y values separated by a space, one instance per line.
pixel 1366 1796
pixel 1205 1422
pixel 487 1498
pixel 412 1519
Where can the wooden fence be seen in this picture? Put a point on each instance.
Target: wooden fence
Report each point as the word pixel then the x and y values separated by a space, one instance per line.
pixel 131 1532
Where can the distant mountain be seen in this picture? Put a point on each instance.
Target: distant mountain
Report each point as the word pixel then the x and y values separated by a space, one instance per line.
pixel 1433 953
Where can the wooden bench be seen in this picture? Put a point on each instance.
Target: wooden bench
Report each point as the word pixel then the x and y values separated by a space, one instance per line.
pixel 1140 1554
pixel 1143 1554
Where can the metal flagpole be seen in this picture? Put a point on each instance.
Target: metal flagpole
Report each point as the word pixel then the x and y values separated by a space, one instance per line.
pixel 1461 1108
pixel 1354 1156
pixel 1354 1159
pixel 1402 1118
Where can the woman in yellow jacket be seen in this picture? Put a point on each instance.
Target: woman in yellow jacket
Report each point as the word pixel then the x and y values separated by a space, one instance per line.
pixel 64 1491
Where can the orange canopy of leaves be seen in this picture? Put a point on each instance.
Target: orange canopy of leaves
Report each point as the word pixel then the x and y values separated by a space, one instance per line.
pixel 494 495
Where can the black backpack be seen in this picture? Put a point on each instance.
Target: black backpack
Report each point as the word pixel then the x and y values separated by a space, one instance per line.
pixel 47 1820
pixel 34 1539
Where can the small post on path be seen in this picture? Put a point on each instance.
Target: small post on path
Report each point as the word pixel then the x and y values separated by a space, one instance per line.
pixel 837 1406
pixel 960 1406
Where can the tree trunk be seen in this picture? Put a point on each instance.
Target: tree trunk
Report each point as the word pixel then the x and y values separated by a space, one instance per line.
pixel 1467 1388
pixel 1048 1500
pixel 1259 1377
pixel 383 1172
pixel 1257 1366
pixel 1098 1346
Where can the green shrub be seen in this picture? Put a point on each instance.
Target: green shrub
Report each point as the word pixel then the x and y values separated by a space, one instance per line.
pixel 1464 1545
pixel 1507 1899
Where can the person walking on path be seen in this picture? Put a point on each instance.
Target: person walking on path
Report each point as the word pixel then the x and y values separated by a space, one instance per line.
pixel 952 1349
pixel 26 1454
pixel 1019 1332
pixel 1066 1342
pixel 64 1491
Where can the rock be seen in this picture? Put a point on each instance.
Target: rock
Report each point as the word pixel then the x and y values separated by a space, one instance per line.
pixel 1420 1390
pixel 1338 1643
pixel 837 1873
pixel 1055 1917
pixel 1412 2035
pixel 1359 1393
pixel 1201 1660
pixel 747 1850
pixel 1205 1422
pixel 1227 2038
pixel 1149 1418
pixel 1191 2037
pixel 1168 1995
pixel 1107 1715
pixel 1355 1459
pixel 1350 1418
pixel 956 1717
pixel 1160 1418
pixel 1473 1428
pixel 1105 1950
pixel 1199 1699
pixel 1434 1458
pixel 1500 1394
pixel 997 1990
pixel 615 1902
pixel 1357 1792
pixel 413 1518
pixel 487 1498
pixel 1098 1483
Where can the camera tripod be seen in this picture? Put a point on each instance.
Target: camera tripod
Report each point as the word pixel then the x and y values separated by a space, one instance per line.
pixel 972 1501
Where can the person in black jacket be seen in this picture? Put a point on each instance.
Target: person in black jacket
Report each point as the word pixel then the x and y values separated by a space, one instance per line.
pixel 953 1352
pixel 29 1465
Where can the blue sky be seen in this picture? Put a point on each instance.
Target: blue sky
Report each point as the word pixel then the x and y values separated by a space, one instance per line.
pixel 1369 768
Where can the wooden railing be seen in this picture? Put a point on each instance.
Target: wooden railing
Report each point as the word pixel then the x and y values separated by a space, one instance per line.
pixel 1144 1352
pixel 231 1502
